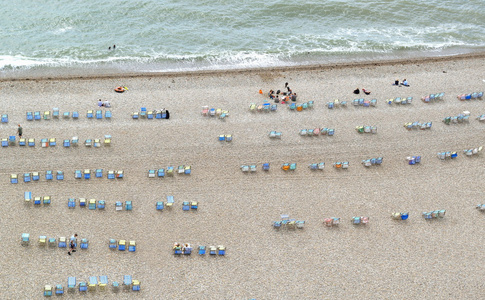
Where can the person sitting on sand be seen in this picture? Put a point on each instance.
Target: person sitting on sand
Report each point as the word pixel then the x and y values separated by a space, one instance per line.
pixel 106 103
pixel 100 103
pixel 405 82
pixel 367 92
pixel 396 82
pixel 270 94
pixel 357 91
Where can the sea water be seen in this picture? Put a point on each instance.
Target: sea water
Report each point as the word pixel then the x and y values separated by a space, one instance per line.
pixel 72 37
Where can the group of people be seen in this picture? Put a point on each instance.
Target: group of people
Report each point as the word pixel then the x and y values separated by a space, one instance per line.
pixel 282 96
pixel 357 91
pixel 185 248
pixel 403 83
pixel 103 104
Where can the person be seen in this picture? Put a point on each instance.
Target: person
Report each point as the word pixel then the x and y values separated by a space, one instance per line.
pixel 367 92
pixel 278 92
pixel 100 103
pixel 357 91
pixel 293 97
pixel 286 84
pixel 109 48
pixel 106 103
pixel 72 244
pixel 396 82
pixel 405 82
pixel 114 47
pixel 19 131
pixel 167 114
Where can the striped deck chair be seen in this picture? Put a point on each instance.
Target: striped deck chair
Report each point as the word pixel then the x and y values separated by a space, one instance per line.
pixel 112 244
pixel 89 114
pixel 22 141
pixel 71 283
pixel 25 239
pixel 119 174
pixel 44 143
pixel 71 203
pixel 14 178
pixel 135 285
pixel 170 201
pixel 122 245
pixel 101 204
pixel 111 174
pixel 99 114
pixel 159 205
pixel 60 175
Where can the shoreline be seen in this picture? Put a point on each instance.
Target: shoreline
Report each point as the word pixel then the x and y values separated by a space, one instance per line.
pixel 311 67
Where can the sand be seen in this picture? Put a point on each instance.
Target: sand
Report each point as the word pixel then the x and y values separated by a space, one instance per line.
pixel 384 259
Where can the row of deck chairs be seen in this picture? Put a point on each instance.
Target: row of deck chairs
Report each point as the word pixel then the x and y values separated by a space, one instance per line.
pixel 225 138
pixel 214 112
pixel 474 151
pixel 47 115
pixel 412 160
pixel 480 207
pixel 288 223
pixel 447 155
pixel 62 242
pixel 150 114
pixel 266 107
pixel 400 215
pixel 434 214
pixel 45 200
pixel 332 222
pixel 481 118
pixel 433 97
pixel 475 95
pixel 366 129
pixel 35 176
pixel 365 103
pixel 317 131
pixel 169 171
pixel 301 107
pixel 336 103
pixel 460 118
pixel 121 245
pixel 98 173
pixel 186 205
pixel 128 283
pixel 399 100
pixel 418 125
pixel 372 162
pixel 186 249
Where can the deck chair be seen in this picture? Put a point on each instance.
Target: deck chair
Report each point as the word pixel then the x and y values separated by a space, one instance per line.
pixel 108 114
pixel 88 142
pixel 60 175
pixel 150 114
pixel 161 172
pixel 212 250
pixel 22 141
pixel 4 142
pixel 62 242
pixel 66 115
pixel 75 114
pixel 93 283
pixel 44 143
pixel 187 170
pixel 136 285
pixel 92 204
pixel 118 205
pixel 159 205
pixel 31 142
pixel 300 224
pixel 265 166
pixel 4 118
pixel 119 174
pixel 158 114
pixel 134 115
pixel 103 282
pixel 107 139
pixel 132 246
pixel 128 205
pixel 101 204
pixel 111 174
pixel 27 177
pixel 30 116
pixel 59 290
pixel 330 105
pixel 51 242
pixel 37 115
pixel 71 203
pixel 170 201
pixel 82 202
pixel 46 200
pixel 89 114
pixel 47 291
pixel 245 168
pixel 170 171
pixel 97 143
pixel 252 168
pixel 194 205
pixel 180 169
pixel 205 110
pixel 67 143
pixel 11 140
pixel 202 250
pixel 55 112
pixel 99 173
pixel 35 176
pixel 116 286
pixel 78 174
pixel 151 173
pixel 42 240
pixel 14 178
pixel 74 140
pixel 143 112
pixel 37 200
pixel 52 142
pixel 127 281
pixel 99 114
pixel 177 250
pixel 112 244
pixel 25 239
pixel 185 206
pixel 47 115
pixel 71 283
pixel 83 287
pixel 27 196
pixel 122 245
pixel 222 138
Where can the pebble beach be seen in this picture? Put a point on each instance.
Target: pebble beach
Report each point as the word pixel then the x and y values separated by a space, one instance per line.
pixel 384 259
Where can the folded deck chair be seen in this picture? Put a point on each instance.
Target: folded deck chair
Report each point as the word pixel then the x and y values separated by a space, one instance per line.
pixel 27 177
pixel 97 143
pixel 14 178
pixel 112 244
pixel 159 205
pixel 22 141
pixel 83 287
pixel 62 242
pixel 71 203
pixel 118 205
pixel 111 175
pixel 59 290
pixel 92 204
pixel 25 239
pixel 47 291
pixel 185 206
pixel 122 245
pixel 103 282
pixel 170 201
pixel 60 175
pixel 35 176
pixel 46 200
pixel 30 116
pixel 128 205
pixel 44 143
pixel 99 114
pixel 82 202
pixel 89 114
pixel 101 204
pixel 132 246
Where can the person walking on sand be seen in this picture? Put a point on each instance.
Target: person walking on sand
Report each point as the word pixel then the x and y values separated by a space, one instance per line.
pixel 72 244
pixel 19 131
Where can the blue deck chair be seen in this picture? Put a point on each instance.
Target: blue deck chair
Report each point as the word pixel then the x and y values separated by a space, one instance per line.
pixel 30 116
pixel 212 250
pixel 55 112
pixel 97 143
pixel 52 242
pixel 99 114
pixel 118 205
pixel 67 143
pixel 201 250
pixel 101 204
pixel 88 143
pixel 35 176
pixel 83 287
pixel 71 282
pixel 161 173
pixel 194 205
pixel 221 250
pixel 136 285
pixel 27 177
pixel 60 175
pixel 87 174
pixel 44 143
pixel 170 171
pixel 170 201
pixel 31 142
pixel 71 203
pixel 99 173
pixel 82 202
pixel 103 282
pixel 292 106
pixel 75 114
pixel 49 175
pixel 159 205
pixel 158 114
pixel 134 115
pixel 66 115
pixel 11 139
pixel 111 174
pixel 122 245
pixel 92 204
pixel 128 205
pixel 132 246
pixel 52 142
pixel 22 142
pixel 4 118
pixel 27 196
pixel 177 250
pixel 112 244
pixel 150 115
pixel 47 290
pixel 25 238
pixel 89 114
pixel 127 281
pixel 164 115
pixel 37 115
pixel 143 112
pixel 59 290
pixel 62 244
pixel 187 170
pixel 78 174
pixel 14 178
pixel 84 244
pixel 151 173
pixel 46 200
pixel 266 167
pixel 185 206
pixel 107 114
pixel 4 142
pixel 37 200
